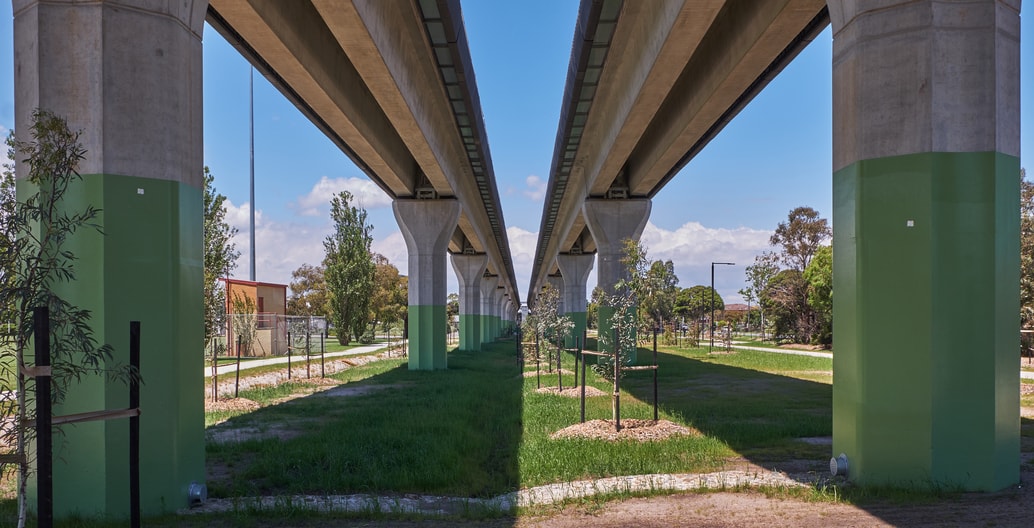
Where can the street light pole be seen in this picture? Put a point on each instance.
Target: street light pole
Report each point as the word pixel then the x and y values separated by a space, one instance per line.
pixel 713 326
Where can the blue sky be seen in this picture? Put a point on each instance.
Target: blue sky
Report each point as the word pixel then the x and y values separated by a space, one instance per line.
pixel 723 206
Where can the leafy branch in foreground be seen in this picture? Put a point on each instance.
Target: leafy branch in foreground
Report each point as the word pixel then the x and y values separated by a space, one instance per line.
pixel 35 261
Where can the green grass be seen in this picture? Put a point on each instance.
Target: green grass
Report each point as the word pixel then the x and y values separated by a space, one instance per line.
pixel 450 432
pixel 479 429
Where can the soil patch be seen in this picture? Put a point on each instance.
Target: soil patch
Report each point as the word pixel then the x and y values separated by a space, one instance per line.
pixel 573 392
pixel 637 430
pixel 796 346
pixel 225 433
pixel 231 404
pixel 343 391
pixel 544 372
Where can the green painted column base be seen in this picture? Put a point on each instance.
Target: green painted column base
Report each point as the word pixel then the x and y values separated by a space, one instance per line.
pixel 146 266
pixel 427 338
pixel 926 268
pixel 577 331
pixel 470 332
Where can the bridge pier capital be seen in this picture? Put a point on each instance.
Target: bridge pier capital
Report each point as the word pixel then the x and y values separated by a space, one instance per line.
pixel 488 285
pixel 611 222
pixel 427 226
pixel 575 269
pixel 469 270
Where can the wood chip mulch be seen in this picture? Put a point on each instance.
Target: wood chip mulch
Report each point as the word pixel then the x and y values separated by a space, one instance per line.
pixel 631 429
pixel 573 392
pixel 1026 388
pixel 231 404
pixel 544 373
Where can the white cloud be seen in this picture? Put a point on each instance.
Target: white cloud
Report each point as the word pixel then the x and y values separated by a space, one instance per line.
pixel 367 195
pixel 280 247
pixel 393 247
pixel 692 247
pixel 536 188
pixel 522 251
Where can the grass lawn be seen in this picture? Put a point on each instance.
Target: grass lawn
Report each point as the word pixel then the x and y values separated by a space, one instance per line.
pixel 479 429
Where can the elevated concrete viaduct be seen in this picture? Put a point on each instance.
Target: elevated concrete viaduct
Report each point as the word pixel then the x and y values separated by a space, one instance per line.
pixel 926 157
pixel 926 194
pixel 390 82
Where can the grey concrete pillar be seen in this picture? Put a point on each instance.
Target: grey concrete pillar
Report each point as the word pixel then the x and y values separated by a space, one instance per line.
pixel 488 287
pixel 427 226
pixel 469 270
pixel 611 223
pixel 557 282
pixel 127 74
pixel 926 143
pixel 500 299
pixel 575 270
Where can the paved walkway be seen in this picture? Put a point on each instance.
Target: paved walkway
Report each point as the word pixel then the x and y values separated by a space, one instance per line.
pixel 537 496
pixel 253 363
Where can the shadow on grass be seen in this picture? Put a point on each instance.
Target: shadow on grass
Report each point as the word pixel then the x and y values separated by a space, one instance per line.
pixel 454 433
pixel 760 415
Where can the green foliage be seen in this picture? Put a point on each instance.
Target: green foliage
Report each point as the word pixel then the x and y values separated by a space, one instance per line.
pixel 819 276
pixel 36 261
pixel 245 322
pixel 785 300
pixel 452 307
pixel 800 236
pixel 759 274
pixel 623 302
pixel 309 295
pixel 695 303
pixel 220 255
pixel 390 297
pixel 1026 251
pixel 349 268
pixel 547 322
pixel 660 291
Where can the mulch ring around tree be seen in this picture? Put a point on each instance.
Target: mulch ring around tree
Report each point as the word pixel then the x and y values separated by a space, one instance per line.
pixel 573 392
pixel 231 404
pixel 631 429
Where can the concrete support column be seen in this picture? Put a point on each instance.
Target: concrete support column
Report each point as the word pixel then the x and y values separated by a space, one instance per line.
pixel 611 222
pixel 557 282
pixel 507 314
pixel 128 76
pixel 469 269
pixel 926 242
pixel 427 226
pixel 488 287
pixel 500 300
pixel 575 269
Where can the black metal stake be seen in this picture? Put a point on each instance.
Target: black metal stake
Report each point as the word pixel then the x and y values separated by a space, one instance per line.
pixel 583 382
pixel 134 425
pixel 44 438
pixel 559 375
pixel 308 374
pixel 215 372
pixel 577 357
pixel 323 372
pixel 289 343
pixel 538 375
pixel 617 376
pixel 654 374
pixel 237 381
